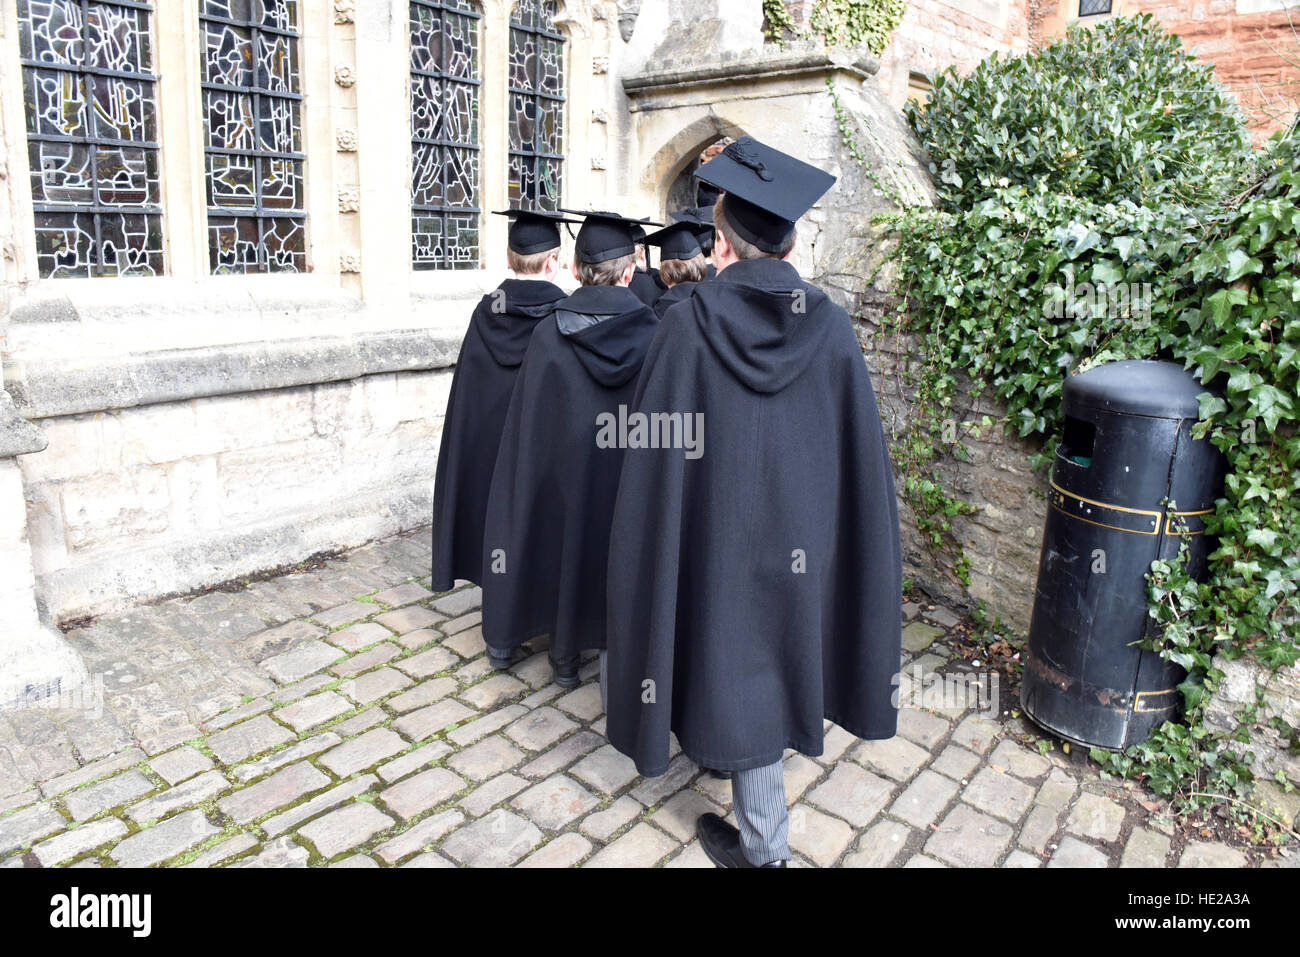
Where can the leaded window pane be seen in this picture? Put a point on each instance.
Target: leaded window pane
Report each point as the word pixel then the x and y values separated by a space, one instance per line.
pixel 252 122
pixel 1090 8
pixel 536 126
pixel 444 134
pixel 91 116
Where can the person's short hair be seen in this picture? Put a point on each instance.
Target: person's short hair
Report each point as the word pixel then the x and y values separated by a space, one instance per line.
pixel 743 247
pixel 606 273
pixel 674 271
pixel 714 148
pixel 528 264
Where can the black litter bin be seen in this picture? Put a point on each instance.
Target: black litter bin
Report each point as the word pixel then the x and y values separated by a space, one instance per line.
pixel 1127 446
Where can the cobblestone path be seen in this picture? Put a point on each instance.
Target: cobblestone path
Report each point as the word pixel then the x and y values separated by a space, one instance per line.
pixel 347 716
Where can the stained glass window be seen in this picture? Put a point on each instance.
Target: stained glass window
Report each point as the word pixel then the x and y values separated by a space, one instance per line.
pixel 92 136
pixel 444 134
pixel 253 136
pixel 536 105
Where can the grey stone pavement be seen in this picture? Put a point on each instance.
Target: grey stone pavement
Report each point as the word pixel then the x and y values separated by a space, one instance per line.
pixel 347 716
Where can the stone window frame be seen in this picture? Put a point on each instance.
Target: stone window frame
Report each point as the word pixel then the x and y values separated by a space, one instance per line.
pixel 536 96
pixel 263 214
pixel 144 74
pixel 574 21
pixel 1081 13
pixel 176 37
pixel 385 241
pixel 1067 12
pixel 474 9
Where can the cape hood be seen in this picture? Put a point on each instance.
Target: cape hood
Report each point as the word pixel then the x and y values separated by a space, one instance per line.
pixel 763 322
pixel 610 330
pixel 506 333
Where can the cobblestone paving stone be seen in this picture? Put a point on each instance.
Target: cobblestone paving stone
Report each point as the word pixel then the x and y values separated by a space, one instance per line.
pixel 347 716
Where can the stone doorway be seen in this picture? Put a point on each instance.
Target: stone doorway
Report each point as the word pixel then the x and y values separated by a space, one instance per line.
pixel 697 88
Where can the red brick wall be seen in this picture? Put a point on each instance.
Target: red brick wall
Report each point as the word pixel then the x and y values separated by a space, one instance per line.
pixel 1256 55
pixel 937 33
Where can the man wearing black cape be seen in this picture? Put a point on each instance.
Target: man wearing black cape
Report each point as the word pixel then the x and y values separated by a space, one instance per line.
pixel 546 539
pixel 681 262
pixel 485 375
pixel 647 285
pixel 701 218
pixel 754 590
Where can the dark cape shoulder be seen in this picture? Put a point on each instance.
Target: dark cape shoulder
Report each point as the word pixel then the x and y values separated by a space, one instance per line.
pixel 647 285
pixel 754 590
pixel 486 369
pixel 673 296
pixel 546 537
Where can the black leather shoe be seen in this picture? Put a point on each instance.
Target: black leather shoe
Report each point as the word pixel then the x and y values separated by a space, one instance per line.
pixel 566 671
pixel 724 775
pixel 500 662
pixel 721 842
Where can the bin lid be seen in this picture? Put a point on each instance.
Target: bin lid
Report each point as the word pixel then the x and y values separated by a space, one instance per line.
pixel 1137 387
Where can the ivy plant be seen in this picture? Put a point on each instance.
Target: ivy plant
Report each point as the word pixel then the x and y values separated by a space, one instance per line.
pixel 1099 200
pixel 1117 112
pixel 839 22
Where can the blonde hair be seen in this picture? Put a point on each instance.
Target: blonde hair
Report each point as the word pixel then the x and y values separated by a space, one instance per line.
pixel 673 271
pixel 743 248
pixel 528 264
pixel 607 273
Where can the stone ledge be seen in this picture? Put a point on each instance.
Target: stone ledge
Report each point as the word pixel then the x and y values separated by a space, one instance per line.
pixel 17 435
pixel 45 387
pixel 111 580
pixel 752 65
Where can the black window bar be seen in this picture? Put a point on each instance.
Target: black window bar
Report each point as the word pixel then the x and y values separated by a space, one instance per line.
pixel 536 90
pixel 445 163
pixel 252 124
pixel 88 91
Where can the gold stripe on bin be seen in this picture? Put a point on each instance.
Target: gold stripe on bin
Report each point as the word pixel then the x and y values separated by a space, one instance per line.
pixel 1118 517
pixel 1165 706
pixel 1169 522
pixel 1116 514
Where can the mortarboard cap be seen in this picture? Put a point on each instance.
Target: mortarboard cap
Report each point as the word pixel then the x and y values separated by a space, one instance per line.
pixel 706 194
pixel 533 230
pixel 678 241
pixel 701 218
pixel 766 190
pixel 606 236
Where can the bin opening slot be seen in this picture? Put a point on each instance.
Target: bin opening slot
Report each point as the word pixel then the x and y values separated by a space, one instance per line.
pixel 1077 441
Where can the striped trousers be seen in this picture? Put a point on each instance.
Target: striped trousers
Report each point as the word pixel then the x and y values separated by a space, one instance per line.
pixel 759 799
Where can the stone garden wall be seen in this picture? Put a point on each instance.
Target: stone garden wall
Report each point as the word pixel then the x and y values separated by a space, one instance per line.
pixel 1002 541
pixel 133 503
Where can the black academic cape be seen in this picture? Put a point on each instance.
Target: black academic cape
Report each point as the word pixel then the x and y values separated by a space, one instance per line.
pixel 547 534
pixel 485 375
pixel 673 296
pixel 755 589
pixel 647 285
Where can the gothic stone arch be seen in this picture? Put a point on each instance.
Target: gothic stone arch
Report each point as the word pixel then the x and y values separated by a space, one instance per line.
pixel 681 104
